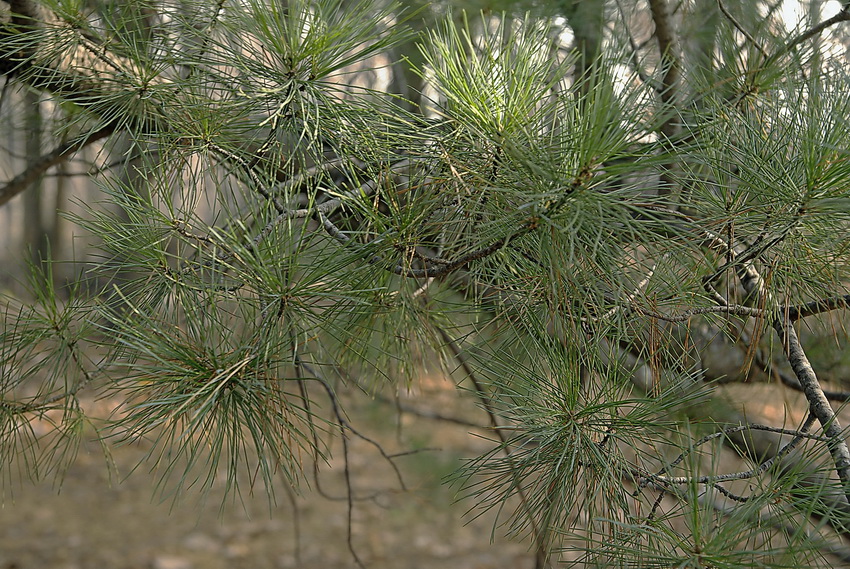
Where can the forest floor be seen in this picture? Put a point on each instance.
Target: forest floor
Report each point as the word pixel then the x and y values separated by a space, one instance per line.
pixel 115 514
pixel 103 517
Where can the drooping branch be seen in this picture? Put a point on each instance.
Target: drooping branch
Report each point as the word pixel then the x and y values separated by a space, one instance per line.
pixel 760 359
pixel 540 538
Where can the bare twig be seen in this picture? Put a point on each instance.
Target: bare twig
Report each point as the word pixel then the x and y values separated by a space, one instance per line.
pixel 840 396
pixel 727 309
pixel 762 361
pixel 795 313
pixel 634 53
pixel 741 28
pixel 38 167
pixel 257 184
pixel 662 481
pixel 842 16
pixel 539 537
pixel 435 415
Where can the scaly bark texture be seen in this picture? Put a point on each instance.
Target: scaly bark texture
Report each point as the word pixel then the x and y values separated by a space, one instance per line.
pixel 818 403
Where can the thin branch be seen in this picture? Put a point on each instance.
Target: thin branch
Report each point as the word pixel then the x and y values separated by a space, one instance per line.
pixel 314 171
pixel 790 381
pixel 36 169
pixel 737 429
pixel 296 523
pixel 345 423
pixel 741 28
pixel 634 54
pixel 326 208
pixel 842 16
pixel 736 309
pixel 714 479
pixel 349 492
pixel 443 267
pixel 776 521
pixel 760 359
pixel 640 286
pixel 795 313
pixel 257 184
pixel 486 403
pixel 433 415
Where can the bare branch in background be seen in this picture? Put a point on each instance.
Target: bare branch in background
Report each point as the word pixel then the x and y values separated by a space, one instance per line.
pixel 671 63
pixel 37 169
pixel 842 16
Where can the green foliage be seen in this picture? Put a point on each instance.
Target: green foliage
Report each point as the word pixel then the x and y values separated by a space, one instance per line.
pixel 279 229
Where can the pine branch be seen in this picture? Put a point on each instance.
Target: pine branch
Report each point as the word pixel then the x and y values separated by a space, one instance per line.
pixel 818 402
pixel 814 307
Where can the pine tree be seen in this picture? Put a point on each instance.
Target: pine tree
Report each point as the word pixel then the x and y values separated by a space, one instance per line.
pixel 597 211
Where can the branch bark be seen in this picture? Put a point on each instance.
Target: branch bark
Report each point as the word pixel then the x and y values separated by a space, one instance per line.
pixel 818 403
pixel 670 61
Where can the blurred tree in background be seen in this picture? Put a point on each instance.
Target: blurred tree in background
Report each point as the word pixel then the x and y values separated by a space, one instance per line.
pixel 598 211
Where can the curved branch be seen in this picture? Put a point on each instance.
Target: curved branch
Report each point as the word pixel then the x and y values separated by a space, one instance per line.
pixel 761 361
pixel 789 381
pixel 444 267
pixel 540 538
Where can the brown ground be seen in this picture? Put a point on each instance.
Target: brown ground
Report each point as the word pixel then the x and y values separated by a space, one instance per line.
pixel 92 522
